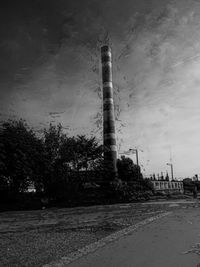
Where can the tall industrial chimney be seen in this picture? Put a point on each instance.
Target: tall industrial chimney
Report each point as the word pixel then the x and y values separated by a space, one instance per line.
pixel 109 139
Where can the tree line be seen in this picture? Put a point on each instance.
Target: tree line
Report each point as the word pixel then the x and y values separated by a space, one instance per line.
pixel 56 164
pixel 26 158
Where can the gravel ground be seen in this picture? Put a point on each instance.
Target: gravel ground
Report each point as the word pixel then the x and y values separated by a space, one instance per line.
pixel 37 247
pixel 39 237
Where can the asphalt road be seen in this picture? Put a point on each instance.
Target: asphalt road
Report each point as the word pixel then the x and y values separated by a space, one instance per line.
pixel 36 238
pixel 172 241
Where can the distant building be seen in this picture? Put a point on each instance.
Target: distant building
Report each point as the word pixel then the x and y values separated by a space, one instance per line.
pixel 168 186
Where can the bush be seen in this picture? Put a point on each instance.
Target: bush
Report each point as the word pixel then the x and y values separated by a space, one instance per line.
pixel 125 192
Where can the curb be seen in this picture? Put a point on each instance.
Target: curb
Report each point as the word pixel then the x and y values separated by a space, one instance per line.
pixel 71 257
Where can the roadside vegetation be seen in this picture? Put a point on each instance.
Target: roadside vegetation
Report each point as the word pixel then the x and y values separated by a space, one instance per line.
pixel 61 170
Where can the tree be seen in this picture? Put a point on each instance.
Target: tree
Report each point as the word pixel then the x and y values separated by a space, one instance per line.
pixel 64 157
pixel 81 152
pixel 127 170
pixel 52 163
pixel 53 171
pixel 19 153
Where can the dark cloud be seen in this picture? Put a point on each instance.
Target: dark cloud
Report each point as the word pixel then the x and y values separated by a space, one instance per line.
pixel 50 66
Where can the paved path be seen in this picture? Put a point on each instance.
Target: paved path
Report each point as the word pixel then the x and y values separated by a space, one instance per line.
pixel 172 241
pixel 35 238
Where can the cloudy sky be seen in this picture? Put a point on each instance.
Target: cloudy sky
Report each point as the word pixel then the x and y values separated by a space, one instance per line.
pixel 50 72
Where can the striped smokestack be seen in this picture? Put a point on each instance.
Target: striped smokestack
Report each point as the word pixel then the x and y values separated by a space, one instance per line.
pixel 109 140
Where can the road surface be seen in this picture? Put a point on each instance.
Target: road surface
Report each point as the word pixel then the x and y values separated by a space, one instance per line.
pixel 172 241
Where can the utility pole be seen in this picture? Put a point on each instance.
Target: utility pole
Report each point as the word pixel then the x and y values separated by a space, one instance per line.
pixel 136 153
